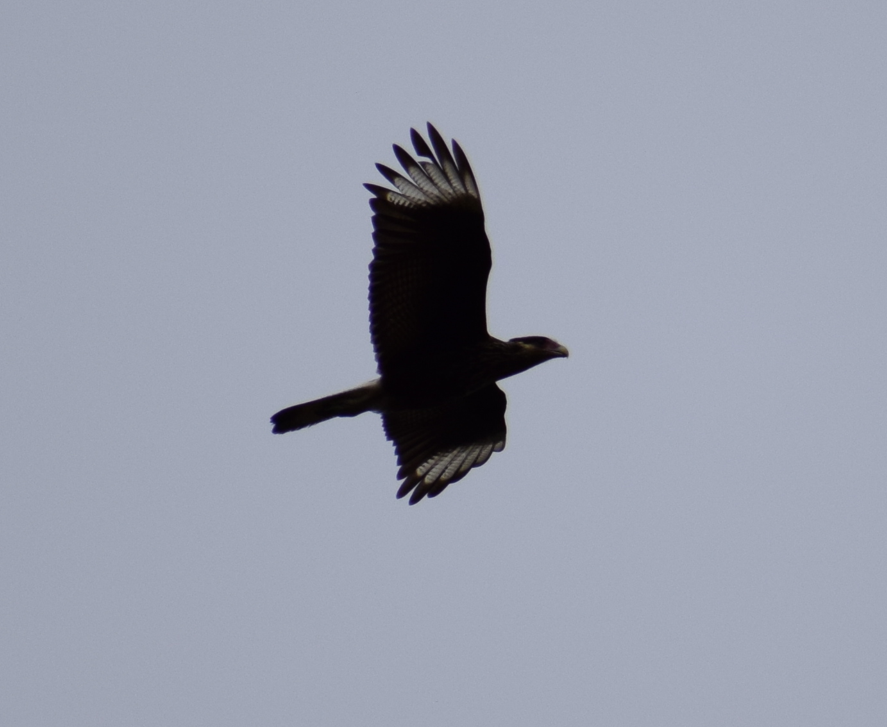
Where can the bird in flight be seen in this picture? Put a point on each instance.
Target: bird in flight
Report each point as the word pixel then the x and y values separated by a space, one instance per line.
pixel 437 365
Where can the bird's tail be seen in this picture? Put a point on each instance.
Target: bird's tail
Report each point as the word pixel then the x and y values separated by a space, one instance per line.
pixel 344 404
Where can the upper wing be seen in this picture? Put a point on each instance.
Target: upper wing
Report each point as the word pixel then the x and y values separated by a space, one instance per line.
pixel 428 278
pixel 439 445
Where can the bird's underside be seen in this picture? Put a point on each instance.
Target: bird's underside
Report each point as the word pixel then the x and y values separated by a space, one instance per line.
pixel 438 366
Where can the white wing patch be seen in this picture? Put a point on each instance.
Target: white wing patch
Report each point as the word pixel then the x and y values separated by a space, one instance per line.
pixel 443 180
pixel 455 462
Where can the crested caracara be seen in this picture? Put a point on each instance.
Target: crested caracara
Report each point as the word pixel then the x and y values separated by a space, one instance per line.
pixel 438 366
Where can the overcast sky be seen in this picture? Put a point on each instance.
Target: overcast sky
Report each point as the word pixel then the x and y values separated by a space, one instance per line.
pixel 689 523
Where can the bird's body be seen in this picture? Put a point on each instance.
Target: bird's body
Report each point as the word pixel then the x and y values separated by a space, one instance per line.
pixel 438 366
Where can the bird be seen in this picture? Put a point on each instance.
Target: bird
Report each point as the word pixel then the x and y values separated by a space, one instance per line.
pixel 437 365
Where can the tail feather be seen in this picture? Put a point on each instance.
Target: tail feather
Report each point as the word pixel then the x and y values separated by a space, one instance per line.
pixel 344 404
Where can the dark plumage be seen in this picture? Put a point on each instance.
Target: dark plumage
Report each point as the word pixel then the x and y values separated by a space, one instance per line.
pixel 438 366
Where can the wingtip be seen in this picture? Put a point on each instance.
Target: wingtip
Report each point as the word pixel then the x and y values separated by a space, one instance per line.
pixel 437 140
pixel 409 491
pixel 390 174
pixel 378 191
pixel 420 145
pixel 432 130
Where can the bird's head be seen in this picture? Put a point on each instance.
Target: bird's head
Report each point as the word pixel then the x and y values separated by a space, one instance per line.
pixel 520 354
pixel 540 347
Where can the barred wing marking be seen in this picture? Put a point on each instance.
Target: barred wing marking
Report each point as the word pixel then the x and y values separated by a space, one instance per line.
pixel 440 445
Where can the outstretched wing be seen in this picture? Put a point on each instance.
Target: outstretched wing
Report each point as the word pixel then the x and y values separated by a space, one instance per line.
pixel 431 259
pixel 439 445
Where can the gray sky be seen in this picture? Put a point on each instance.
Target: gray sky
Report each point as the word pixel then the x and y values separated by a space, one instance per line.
pixel 687 526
